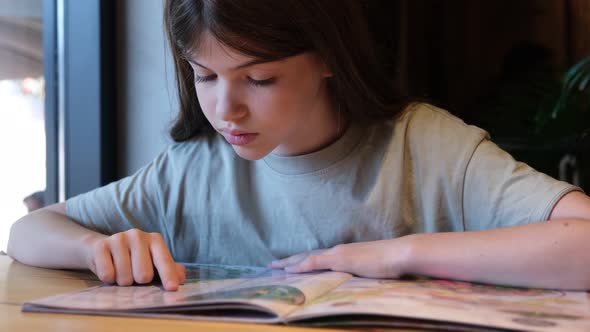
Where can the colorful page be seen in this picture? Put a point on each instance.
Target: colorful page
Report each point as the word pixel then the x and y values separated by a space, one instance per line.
pixel 199 279
pixel 451 301
pixel 276 290
pixel 207 287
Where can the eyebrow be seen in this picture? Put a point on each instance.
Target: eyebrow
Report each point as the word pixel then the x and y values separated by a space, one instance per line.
pixel 243 65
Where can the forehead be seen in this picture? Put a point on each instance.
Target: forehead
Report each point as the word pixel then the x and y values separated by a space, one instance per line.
pixel 211 49
pixel 214 55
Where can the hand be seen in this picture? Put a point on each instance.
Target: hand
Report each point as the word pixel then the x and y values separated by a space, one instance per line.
pixel 131 256
pixel 375 259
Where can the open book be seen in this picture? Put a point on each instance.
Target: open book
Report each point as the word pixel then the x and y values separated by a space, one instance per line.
pixel 334 299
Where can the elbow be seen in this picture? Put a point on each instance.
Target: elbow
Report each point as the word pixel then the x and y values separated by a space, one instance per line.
pixel 13 241
pixel 19 239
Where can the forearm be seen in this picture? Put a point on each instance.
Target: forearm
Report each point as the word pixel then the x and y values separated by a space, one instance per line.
pixel 552 254
pixel 47 238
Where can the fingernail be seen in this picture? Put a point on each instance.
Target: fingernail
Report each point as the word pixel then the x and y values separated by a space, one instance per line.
pixel 171 286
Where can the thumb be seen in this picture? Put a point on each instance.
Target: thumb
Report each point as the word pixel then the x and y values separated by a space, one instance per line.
pixel 316 262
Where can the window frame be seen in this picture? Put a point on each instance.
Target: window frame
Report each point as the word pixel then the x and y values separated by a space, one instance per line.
pixel 80 74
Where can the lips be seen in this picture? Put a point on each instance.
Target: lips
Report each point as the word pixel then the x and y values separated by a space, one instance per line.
pixel 238 137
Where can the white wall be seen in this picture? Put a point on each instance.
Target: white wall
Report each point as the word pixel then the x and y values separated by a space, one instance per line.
pixel 146 88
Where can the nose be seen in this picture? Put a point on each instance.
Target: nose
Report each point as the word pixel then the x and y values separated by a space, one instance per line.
pixel 229 106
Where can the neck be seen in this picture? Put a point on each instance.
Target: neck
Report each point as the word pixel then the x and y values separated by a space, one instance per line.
pixel 327 126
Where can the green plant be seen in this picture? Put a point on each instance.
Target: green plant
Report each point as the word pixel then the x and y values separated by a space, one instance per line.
pixel 570 115
pixel 541 120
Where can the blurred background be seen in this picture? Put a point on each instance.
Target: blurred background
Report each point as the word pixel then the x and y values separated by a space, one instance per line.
pixel 500 65
pixel 22 112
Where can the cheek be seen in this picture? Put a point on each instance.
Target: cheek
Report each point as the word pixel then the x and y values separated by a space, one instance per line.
pixel 312 85
pixel 269 106
pixel 299 96
pixel 303 90
pixel 207 102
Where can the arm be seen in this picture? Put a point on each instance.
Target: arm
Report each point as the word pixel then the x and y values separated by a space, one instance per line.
pixel 552 254
pixel 546 255
pixel 48 238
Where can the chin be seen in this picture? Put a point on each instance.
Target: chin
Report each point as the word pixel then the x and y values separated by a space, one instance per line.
pixel 250 154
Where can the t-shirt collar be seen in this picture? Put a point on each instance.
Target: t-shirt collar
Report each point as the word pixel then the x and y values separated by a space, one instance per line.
pixel 318 160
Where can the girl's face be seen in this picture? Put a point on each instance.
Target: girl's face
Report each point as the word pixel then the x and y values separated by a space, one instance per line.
pixel 281 106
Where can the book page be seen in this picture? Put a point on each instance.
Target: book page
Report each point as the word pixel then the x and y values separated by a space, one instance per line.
pixel 206 287
pixel 455 301
pixel 277 290
pixel 199 279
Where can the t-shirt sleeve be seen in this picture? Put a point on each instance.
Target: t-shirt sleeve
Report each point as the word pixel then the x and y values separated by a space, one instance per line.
pixel 500 191
pixel 132 202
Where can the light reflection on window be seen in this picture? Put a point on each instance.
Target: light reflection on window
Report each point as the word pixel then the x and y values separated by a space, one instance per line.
pixel 22 114
pixel 22 144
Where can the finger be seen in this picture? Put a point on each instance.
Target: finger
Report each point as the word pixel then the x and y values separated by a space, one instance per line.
pixel 121 259
pixel 163 262
pixel 141 260
pixel 315 262
pixel 181 272
pixel 292 260
pixel 102 263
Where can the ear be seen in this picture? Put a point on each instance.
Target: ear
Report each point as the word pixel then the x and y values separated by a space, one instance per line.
pixel 325 70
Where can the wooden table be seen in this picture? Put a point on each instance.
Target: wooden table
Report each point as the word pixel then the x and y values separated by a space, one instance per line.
pixel 20 283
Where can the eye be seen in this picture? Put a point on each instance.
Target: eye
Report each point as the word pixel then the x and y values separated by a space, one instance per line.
pixel 203 79
pixel 266 82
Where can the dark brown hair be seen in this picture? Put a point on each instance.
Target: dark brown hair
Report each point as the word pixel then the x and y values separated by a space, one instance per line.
pixel 270 30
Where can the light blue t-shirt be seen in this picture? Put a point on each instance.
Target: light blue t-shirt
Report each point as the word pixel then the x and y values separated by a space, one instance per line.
pixel 425 171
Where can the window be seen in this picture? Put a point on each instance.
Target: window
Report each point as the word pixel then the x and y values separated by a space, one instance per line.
pixel 57 102
pixel 22 112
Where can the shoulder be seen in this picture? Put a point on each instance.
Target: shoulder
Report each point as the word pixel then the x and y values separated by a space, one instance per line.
pixel 199 151
pixel 433 140
pixel 199 147
pixel 422 126
pixel 201 144
pixel 431 129
pixel 428 121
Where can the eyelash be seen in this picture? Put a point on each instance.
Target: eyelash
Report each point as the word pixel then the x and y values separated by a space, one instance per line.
pixel 267 82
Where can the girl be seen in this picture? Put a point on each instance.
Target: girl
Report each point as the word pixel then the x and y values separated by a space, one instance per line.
pixel 293 149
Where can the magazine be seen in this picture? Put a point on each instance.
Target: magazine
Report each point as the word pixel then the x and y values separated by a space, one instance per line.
pixel 332 299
